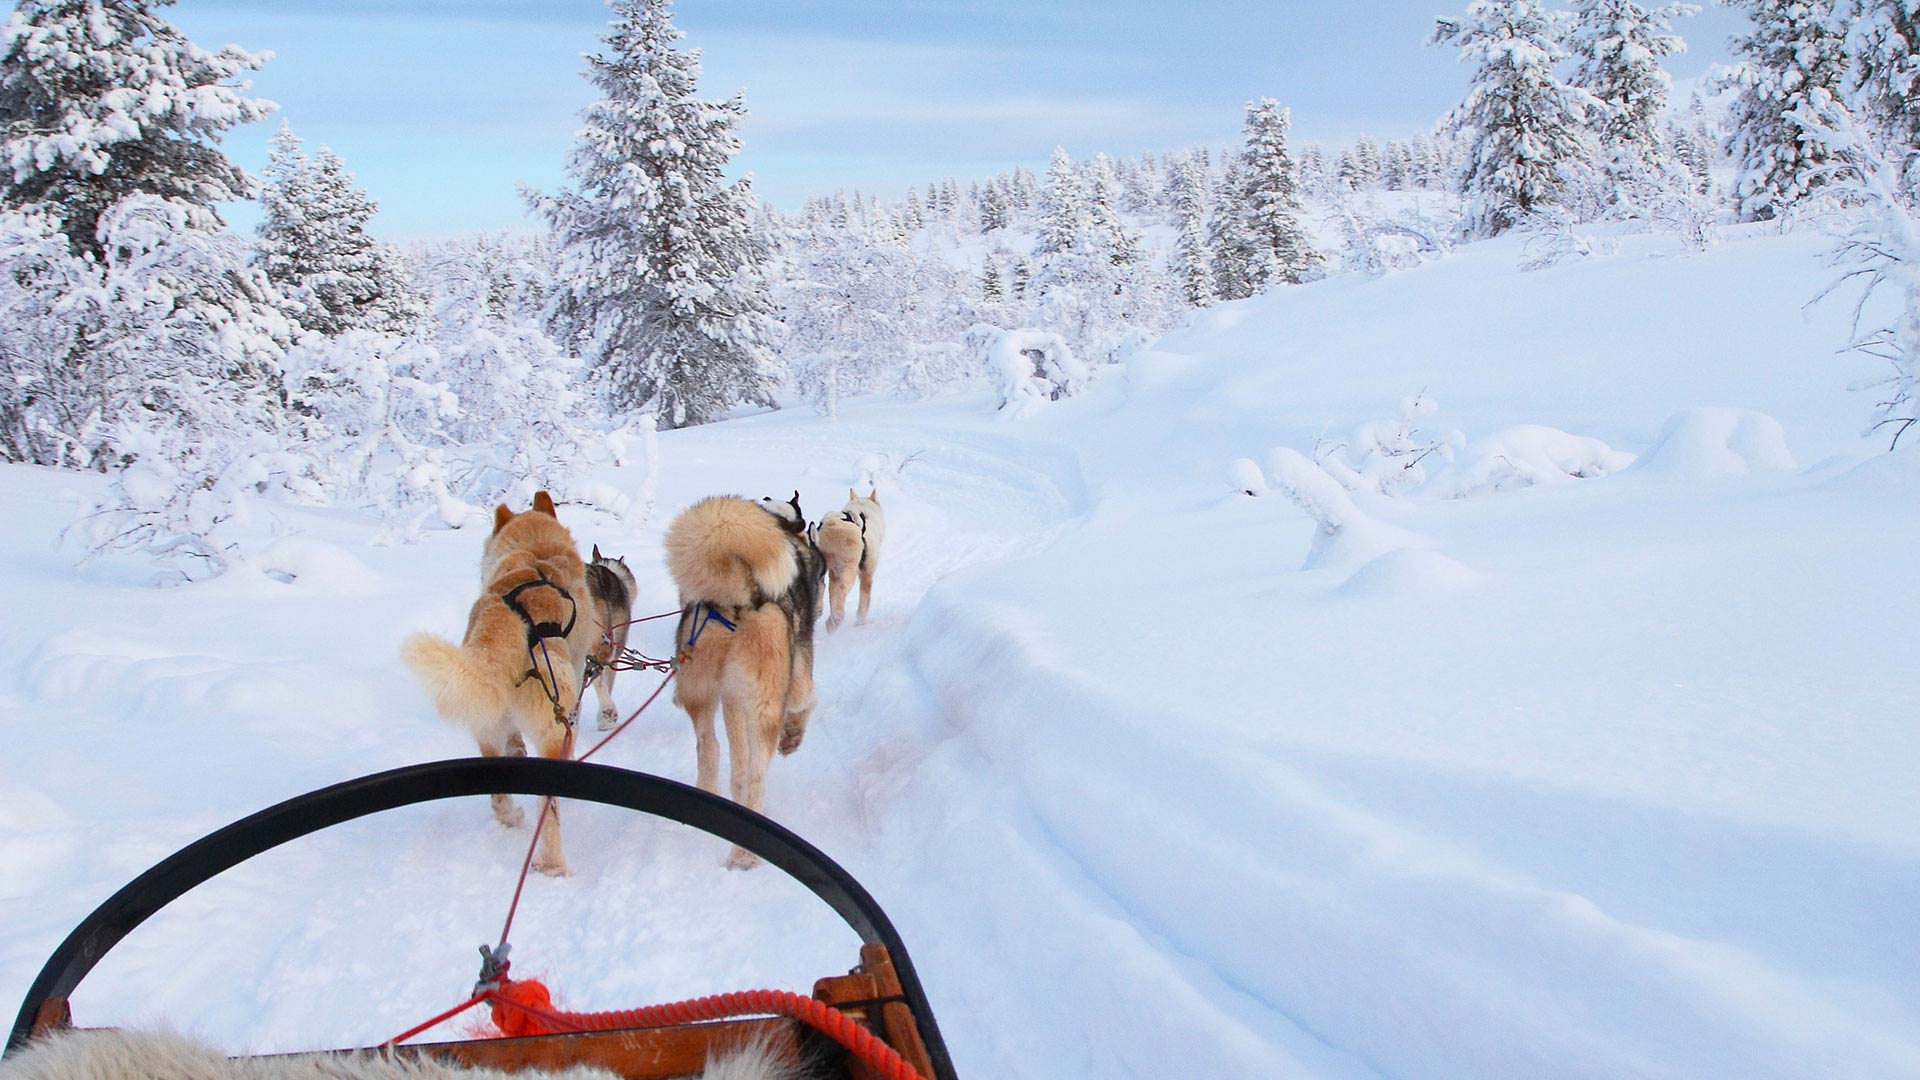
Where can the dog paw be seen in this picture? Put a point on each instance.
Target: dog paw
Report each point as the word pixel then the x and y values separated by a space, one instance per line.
pixel 609 716
pixel 834 621
pixel 553 867
pixel 511 816
pixel 790 737
pixel 742 859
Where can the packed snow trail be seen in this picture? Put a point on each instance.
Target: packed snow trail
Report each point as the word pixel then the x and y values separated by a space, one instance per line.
pixel 1604 778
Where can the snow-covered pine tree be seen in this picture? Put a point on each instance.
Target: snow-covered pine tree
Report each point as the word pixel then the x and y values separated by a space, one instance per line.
pixel 1885 43
pixel 996 209
pixel 1230 247
pixel 1529 147
pixel 316 249
pixel 1793 59
pixel 1617 47
pixel 1063 210
pixel 1107 229
pixel 1269 203
pixel 1191 260
pixel 659 283
pixel 101 99
pixel 1366 160
pixel 993 290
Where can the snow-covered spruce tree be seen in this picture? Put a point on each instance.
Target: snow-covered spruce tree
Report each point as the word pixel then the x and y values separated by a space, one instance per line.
pixel 659 283
pixel 1884 41
pixel 1269 203
pixel 1063 206
pixel 1191 261
pixel 1227 240
pixel 1529 147
pixel 1617 47
pixel 102 99
pixel 1792 55
pixel 315 246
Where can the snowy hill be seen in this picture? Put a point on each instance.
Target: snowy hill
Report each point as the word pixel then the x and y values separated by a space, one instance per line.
pixel 1599 777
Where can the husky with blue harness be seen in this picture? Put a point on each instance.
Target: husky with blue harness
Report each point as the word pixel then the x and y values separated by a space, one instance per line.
pixel 749 581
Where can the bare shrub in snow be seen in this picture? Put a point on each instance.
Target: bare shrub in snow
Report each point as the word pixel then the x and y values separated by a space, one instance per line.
pixel 1389 456
pixel 191 503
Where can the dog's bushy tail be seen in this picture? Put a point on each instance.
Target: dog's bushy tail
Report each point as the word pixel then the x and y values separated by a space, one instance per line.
pixel 472 686
pixel 724 549
pixel 462 686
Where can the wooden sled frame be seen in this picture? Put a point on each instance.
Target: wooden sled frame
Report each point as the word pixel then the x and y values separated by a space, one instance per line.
pixel 884 992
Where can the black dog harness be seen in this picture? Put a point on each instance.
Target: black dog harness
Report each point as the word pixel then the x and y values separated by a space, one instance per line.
pixel 537 630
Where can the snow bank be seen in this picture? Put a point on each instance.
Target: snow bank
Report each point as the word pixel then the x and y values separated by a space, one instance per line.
pixel 1715 443
pixel 1526 455
pixel 1355 945
pixel 315 564
pixel 1411 570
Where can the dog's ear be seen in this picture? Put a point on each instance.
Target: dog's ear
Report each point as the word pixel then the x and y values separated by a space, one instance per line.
pixel 543 502
pixel 795 503
pixel 851 496
pixel 501 515
pixel 596 553
pixel 874 496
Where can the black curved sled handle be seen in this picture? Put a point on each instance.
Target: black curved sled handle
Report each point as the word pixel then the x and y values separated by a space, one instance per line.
pixel 173 876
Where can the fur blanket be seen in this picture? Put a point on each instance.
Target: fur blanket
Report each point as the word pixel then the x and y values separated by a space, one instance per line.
pixel 111 1054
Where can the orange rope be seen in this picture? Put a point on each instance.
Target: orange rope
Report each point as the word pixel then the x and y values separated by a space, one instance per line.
pixel 524 1007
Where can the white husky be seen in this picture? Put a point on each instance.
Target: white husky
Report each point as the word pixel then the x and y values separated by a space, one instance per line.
pixel 850 538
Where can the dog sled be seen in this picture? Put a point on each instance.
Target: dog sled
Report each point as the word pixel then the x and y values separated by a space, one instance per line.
pixel 872 1023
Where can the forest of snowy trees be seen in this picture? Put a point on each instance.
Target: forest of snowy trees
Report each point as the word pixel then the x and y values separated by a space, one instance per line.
pixel 142 337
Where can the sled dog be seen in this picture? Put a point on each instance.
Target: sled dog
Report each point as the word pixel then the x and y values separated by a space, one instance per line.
pixel 612 586
pixel 525 649
pixel 850 539
pixel 749 584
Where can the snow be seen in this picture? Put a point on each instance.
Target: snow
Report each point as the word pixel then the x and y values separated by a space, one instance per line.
pixel 1595 776
pixel 1712 443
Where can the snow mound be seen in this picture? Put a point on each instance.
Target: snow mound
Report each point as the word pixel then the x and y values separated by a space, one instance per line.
pixel 306 563
pixel 1714 443
pixel 1410 570
pixel 1246 477
pixel 1033 367
pixel 1526 455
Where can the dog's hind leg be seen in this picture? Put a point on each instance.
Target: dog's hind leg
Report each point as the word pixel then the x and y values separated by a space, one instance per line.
pixel 839 584
pixel 549 857
pixel 761 670
pixel 866 585
pixel 504 809
pixel 603 692
pixel 799 700
pixel 706 743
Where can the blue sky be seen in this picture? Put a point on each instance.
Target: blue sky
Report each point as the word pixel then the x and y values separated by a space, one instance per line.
pixel 442 106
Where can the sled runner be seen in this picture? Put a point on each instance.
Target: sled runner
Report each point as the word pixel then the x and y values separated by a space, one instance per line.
pixel 874 1022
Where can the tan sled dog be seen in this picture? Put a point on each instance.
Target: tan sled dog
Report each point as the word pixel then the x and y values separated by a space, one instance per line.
pixel 749 585
pixel 850 539
pixel 527 641
pixel 612 586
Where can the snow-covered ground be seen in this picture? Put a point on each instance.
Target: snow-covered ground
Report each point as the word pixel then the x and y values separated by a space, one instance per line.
pixel 1610 777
